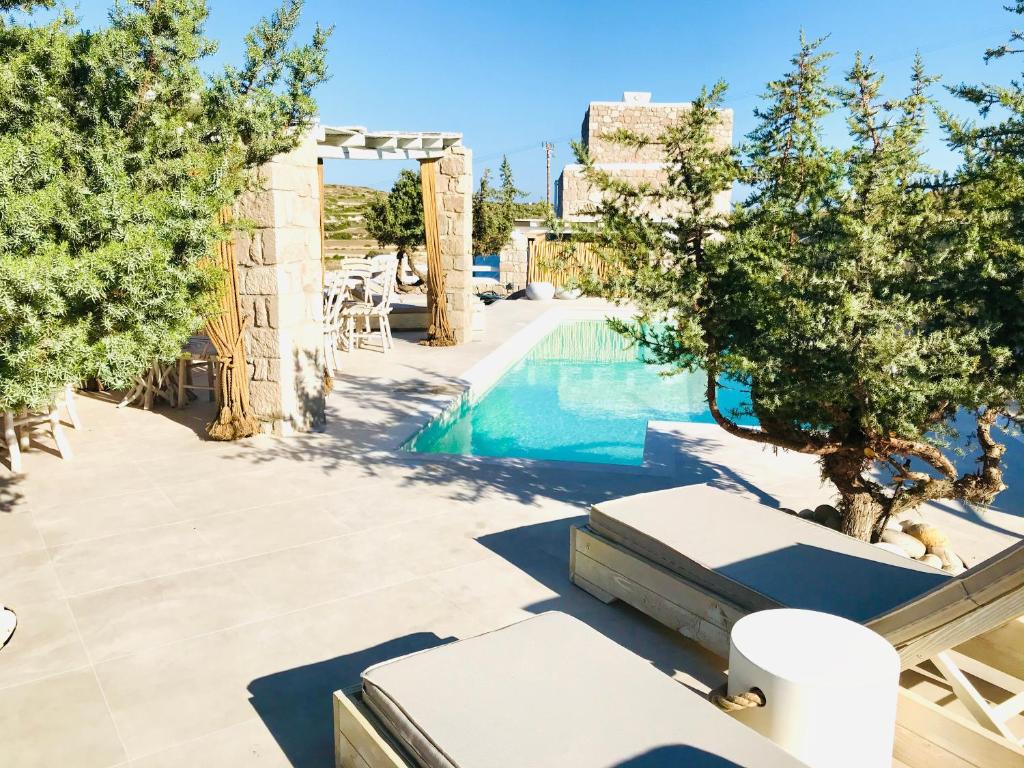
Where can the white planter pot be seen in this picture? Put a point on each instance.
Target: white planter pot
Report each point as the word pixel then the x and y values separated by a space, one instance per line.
pixel 568 294
pixel 540 291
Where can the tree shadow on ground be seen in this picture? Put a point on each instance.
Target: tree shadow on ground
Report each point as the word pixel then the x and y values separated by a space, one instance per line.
pixel 9 493
pixel 296 704
pixel 364 437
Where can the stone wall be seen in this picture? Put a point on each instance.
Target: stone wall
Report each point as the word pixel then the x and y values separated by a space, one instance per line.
pixel 280 291
pixel 638 115
pixel 455 225
pixel 512 261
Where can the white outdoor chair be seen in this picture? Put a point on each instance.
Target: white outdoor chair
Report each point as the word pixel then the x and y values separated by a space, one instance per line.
pixel 383 284
pixel 347 299
pixel 334 298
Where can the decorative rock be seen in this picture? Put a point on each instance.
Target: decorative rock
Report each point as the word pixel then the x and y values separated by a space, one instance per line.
pixel 827 515
pixel 806 514
pixel 928 535
pixel 787 510
pixel 896 549
pixel 909 544
pixel 933 560
pixel 892 524
pixel 951 562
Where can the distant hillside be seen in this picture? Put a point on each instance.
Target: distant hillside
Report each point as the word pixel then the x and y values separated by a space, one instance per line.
pixel 344 228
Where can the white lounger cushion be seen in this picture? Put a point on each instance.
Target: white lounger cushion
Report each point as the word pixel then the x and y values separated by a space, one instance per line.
pixel 550 692
pixel 759 557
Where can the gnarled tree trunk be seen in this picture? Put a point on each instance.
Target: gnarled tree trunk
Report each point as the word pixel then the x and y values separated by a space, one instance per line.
pixel 860 510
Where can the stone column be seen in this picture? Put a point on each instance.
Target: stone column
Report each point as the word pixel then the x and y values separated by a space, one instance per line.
pixel 281 293
pixel 513 262
pixel 455 225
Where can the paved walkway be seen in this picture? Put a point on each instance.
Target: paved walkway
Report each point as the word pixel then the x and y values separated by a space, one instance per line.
pixel 190 603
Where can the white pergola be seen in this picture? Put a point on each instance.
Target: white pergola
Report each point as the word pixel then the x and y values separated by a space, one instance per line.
pixel 354 142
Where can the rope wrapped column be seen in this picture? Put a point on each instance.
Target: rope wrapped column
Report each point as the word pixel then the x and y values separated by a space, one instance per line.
pixel 439 333
pixel 226 330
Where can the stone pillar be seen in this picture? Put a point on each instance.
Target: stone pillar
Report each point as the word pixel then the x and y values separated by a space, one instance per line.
pixel 281 293
pixel 455 226
pixel 513 261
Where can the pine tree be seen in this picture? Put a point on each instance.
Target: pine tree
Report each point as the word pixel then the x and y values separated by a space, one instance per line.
pixel 494 211
pixel 397 219
pixel 115 155
pixel 832 293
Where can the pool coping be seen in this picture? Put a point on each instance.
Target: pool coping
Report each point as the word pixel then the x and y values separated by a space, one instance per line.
pixel 475 381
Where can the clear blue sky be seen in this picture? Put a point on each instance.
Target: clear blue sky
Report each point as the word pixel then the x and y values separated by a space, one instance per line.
pixel 510 75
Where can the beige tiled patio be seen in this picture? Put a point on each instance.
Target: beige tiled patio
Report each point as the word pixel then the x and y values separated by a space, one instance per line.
pixel 190 603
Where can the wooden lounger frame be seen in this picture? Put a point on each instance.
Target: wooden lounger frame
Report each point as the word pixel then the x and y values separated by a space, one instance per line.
pixel 969 606
pixel 360 739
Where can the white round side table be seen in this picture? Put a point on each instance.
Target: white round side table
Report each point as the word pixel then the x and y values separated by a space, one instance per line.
pixel 830 686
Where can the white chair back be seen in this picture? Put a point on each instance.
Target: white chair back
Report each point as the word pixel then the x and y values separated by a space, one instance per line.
pixel 385 281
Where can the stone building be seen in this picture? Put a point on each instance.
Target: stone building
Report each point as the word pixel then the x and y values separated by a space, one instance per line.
pixel 575 197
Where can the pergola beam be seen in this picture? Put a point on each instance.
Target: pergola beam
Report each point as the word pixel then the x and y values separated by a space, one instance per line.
pixel 362 153
pixel 354 142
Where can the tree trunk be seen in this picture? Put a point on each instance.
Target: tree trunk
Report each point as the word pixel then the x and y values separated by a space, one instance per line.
pixel 859 510
pixel 406 258
pixel 859 515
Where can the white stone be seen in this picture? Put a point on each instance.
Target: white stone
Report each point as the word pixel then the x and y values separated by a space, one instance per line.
pixel 909 544
pixel 933 560
pixel 896 549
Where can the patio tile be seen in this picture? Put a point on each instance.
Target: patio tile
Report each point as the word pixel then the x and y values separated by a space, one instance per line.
pixel 81 519
pixel 66 483
pixel 18 533
pixel 29 578
pixel 245 488
pixel 328 570
pixel 365 508
pixel 237 746
pixel 237 535
pixel 282 669
pixel 45 643
pixel 59 721
pixel 97 564
pixel 136 616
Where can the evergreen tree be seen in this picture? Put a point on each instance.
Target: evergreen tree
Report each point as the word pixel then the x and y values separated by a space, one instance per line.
pixel 830 293
pixel 115 155
pixel 397 219
pixel 494 211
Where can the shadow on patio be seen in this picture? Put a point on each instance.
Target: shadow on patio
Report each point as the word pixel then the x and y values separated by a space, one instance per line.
pixel 296 704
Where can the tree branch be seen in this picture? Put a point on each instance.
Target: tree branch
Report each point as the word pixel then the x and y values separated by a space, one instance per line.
pixel 758 435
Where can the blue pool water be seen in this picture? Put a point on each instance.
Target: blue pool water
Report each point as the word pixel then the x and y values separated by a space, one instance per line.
pixel 584 394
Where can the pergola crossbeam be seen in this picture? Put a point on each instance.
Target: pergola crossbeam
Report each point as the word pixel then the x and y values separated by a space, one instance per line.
pixel 355 142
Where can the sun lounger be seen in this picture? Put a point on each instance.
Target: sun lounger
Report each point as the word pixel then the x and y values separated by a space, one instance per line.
pixel 698 558
pixel 548 692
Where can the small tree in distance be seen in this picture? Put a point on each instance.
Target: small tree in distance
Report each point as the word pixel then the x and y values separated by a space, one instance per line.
pixel 494 211
pixel 832 293
pixel 396 218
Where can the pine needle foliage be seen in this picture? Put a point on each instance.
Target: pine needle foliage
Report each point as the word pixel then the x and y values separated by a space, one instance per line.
pixel 845 291
pixel 116 153
pixel 495 210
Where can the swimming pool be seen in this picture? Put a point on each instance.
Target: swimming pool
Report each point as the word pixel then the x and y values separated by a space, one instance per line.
pixel 583 393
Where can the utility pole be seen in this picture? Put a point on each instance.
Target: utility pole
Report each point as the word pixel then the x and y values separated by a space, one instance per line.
pixel 549 150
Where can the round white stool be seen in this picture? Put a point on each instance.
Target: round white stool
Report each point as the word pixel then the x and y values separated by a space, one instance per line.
pixel 830 686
